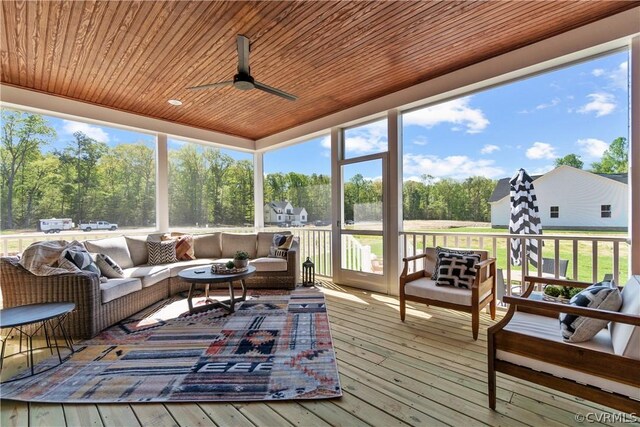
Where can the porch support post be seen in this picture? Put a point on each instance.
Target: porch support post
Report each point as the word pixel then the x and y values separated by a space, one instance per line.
pixel 336 202
pixel 394 202
pixel 634 156
pixel 162 183
pixel 258 190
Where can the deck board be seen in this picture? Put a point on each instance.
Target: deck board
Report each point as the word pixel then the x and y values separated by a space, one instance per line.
pixel 424 371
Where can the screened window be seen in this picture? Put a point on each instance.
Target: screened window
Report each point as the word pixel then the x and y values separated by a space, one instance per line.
pixel 554 212
pixel 605 211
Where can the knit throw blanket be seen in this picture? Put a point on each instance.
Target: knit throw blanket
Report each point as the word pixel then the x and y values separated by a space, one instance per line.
pixel 48 258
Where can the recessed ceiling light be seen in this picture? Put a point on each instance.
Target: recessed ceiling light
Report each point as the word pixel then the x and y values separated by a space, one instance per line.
pixel 174 102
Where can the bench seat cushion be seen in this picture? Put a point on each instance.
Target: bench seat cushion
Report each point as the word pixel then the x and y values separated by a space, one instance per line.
pixel 116 288
pixel 149 274
pixel 269 264
pixel 425 287
pixel 177 267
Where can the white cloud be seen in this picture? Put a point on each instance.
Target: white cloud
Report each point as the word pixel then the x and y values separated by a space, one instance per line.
pixel 597 72
pixel 552 103
pixel 489 148
pixel 592 147
pixel 91 131
pixel 541 150
pixel 620 76
pixel 541 170
pixel 602 103
pixel 456 167
pixel 420 140
pixel 457 112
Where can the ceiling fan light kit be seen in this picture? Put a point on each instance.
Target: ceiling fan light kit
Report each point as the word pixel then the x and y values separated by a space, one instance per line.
pixel 243 80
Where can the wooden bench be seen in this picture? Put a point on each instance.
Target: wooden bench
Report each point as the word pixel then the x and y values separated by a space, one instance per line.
pixel 527 344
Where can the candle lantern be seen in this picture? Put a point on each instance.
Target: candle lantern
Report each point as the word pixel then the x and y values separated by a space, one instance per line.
pixel 308 273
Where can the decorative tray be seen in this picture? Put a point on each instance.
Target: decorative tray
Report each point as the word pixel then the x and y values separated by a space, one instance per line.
pixel 216 269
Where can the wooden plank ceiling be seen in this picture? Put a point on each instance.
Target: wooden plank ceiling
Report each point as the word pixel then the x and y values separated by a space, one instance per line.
pixel 134 55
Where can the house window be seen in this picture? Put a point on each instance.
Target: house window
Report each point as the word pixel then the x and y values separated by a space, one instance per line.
pixel 555 212
pixel 605 211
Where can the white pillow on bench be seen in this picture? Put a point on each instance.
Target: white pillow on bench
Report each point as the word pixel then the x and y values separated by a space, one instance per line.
pixel 626 338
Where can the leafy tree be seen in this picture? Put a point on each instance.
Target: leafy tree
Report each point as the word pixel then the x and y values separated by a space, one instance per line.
pixel 615 159
pixel 570 160
pixel 23 135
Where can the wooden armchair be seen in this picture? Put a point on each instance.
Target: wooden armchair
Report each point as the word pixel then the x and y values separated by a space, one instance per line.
pixel 527 344
pixel 419 287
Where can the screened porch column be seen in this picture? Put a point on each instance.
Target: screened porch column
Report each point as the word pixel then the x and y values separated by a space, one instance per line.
pixel 394 220
pixel 162 183
pixel 634 156
pixel 258 190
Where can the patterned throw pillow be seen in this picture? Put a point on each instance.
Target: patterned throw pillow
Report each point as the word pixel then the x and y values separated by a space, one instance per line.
pixel 280 245
pixel 82 260
pixel 108 267
pixel 184 245
pixel 457 270
pixel 162 252
pixel 439 250
pixel 580 328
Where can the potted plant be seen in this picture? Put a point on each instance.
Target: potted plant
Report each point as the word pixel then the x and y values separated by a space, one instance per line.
pixel 241 259
pixel 230 265
pixel 560 293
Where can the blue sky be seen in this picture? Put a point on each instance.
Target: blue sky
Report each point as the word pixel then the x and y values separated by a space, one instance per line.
pixel 579 109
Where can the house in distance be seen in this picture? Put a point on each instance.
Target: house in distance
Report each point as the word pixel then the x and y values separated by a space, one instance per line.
pixel 284 213
pixel 571 199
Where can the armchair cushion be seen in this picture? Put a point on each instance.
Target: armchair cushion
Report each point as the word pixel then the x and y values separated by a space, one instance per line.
pixel 580 328
pixel 456 270
pixel 626 338
pixel 425 287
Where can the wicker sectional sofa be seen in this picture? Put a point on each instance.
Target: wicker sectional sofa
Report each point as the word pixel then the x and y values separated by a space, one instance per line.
pixel 100 305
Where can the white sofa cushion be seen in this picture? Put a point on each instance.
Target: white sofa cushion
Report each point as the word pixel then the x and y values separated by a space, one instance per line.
pixel 116 288
pixel 138 249
pixel 424 287
pixel 269 264
pixel 149 274
pixel 626 338
pixel 115 247
pixel 238 242
pixel 207 245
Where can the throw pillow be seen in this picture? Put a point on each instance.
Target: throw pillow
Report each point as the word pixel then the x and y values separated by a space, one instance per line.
pixel 457 270
pixel 162 252
pixel 82 260
pixel 280 243
pixel 184 245
pixel 440 250
pixel 108 267
pixel 581 328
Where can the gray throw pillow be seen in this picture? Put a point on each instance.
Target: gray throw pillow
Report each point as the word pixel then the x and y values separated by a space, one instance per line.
pixel 108 267
pixel 581 328
pixel 82 260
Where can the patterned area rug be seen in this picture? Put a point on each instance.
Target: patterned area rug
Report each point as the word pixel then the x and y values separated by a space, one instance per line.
pixel 277 345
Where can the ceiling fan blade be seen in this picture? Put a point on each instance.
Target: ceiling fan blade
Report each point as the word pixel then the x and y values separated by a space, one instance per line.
pixel 211 85
pixel 243 54
pixel 274 91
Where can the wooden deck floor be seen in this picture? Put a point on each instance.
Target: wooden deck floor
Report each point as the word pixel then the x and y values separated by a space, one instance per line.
pixel 425 372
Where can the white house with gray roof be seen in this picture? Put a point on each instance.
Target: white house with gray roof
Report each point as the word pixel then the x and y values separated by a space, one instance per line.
pixel 282 211
pixel 570 198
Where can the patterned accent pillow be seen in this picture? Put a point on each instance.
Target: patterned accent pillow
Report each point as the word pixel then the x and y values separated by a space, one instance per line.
pixel 457 270
pixel 82 260
pixel 439 250
pixel 108 267
pixel 280 242
pixel 184 245
pixel 281 253
pixel 162 252
pixel 580 328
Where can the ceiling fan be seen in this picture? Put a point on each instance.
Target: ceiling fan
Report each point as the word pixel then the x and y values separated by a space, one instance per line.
pixel 243 79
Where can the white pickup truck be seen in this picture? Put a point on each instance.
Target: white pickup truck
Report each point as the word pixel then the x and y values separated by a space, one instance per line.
pixel 97 225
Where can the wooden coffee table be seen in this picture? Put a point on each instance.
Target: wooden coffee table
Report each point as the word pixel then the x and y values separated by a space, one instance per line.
pixel 203 275
pixel 31 320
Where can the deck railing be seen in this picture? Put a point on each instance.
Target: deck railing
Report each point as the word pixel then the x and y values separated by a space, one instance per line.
pixel 590 257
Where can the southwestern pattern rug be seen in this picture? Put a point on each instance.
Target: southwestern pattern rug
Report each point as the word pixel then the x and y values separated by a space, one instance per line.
pixel 276 346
